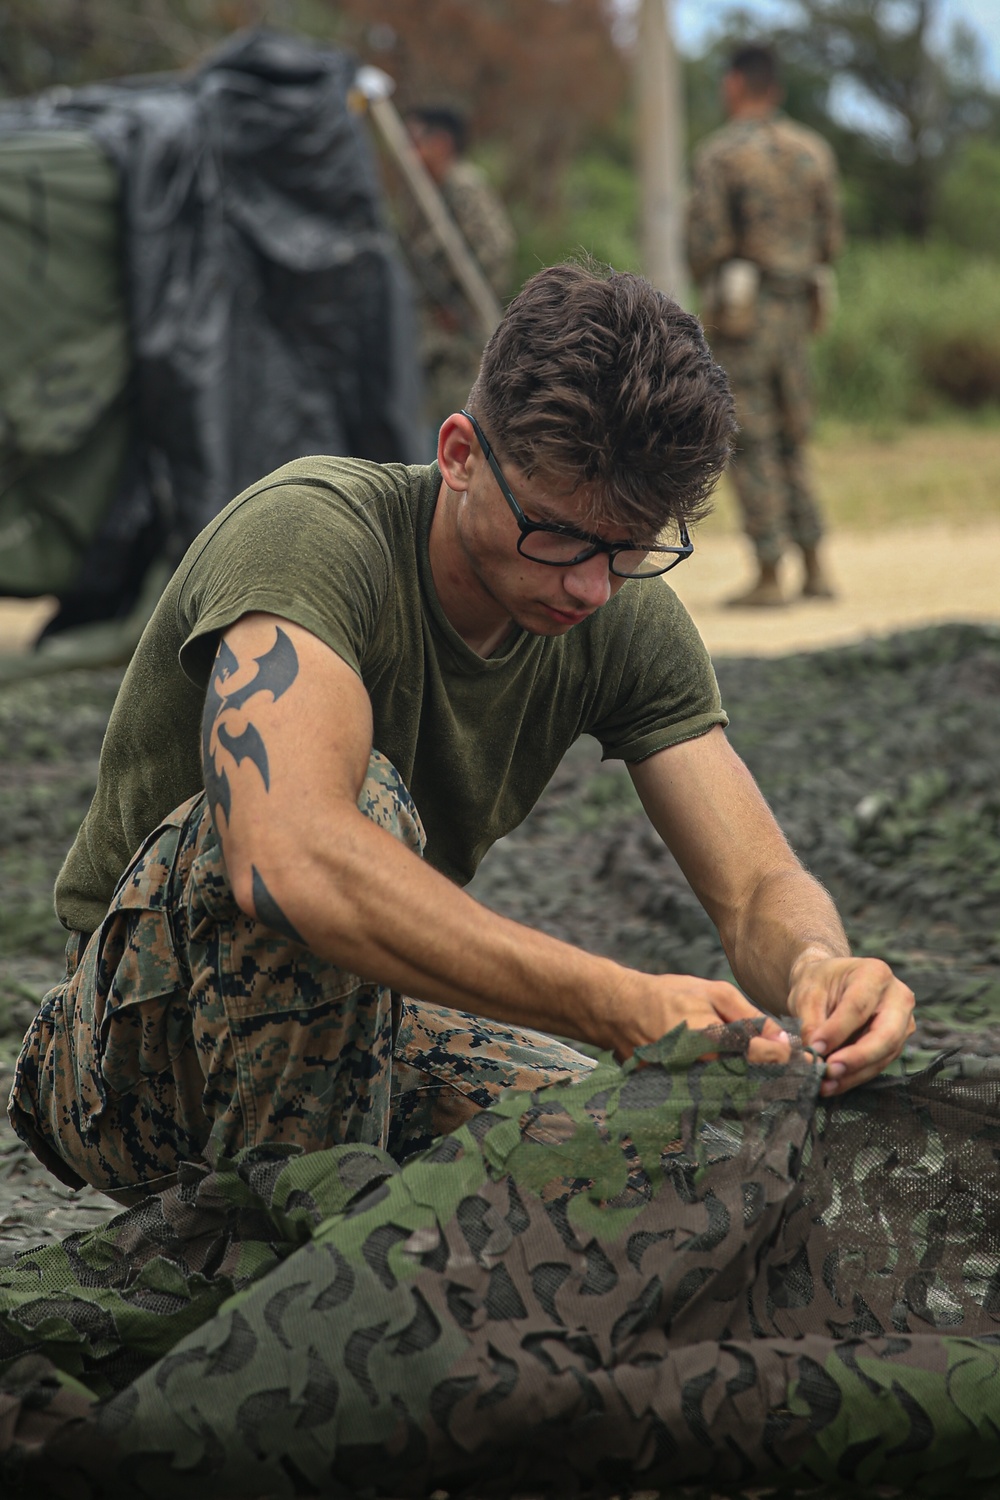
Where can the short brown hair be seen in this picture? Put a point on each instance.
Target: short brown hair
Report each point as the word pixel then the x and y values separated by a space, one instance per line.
pixel 594 377
pixel 757 66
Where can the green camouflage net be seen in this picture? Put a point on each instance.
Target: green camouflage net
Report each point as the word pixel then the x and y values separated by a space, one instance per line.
pixel 687 1271
pixel 757 1292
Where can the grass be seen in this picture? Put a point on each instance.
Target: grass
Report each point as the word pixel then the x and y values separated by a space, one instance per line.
pixel 946 470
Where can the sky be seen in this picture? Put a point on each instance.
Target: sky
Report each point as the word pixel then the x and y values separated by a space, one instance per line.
pixel 694 21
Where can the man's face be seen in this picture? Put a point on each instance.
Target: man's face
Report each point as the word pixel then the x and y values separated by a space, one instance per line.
pixel 435 148
pixel 733 91
pixel 541 599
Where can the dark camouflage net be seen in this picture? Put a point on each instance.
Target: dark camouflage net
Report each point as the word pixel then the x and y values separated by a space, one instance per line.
pixel 689 1271
pixel 837 1335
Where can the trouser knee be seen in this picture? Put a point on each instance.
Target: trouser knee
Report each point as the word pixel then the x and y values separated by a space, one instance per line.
pixel 385 799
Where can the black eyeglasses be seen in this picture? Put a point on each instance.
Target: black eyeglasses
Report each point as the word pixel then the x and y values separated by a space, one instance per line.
pixel 558 546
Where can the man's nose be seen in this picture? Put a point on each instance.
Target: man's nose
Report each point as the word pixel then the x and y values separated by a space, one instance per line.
pixel 589 582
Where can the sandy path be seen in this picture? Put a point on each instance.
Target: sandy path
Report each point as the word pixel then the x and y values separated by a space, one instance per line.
pixel 21 620
pixel 888 580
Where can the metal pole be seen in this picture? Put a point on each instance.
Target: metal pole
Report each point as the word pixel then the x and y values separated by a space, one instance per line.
pixel 376 87
pixel 661 151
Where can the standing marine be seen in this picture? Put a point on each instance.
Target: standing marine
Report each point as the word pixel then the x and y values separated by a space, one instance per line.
pixel 763 227
pixel 451 338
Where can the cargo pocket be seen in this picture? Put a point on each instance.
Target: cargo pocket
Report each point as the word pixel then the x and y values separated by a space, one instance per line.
pixel 132 1020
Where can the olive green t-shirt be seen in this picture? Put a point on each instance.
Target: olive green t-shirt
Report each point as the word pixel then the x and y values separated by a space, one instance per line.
pixel 340 546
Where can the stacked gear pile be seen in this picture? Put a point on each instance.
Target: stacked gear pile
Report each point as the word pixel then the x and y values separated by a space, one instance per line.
pixel 689 1271
pixel 197 284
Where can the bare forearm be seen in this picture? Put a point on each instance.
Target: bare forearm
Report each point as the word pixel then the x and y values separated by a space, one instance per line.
pixel 375 909
pixel 287 745
pixel 789 919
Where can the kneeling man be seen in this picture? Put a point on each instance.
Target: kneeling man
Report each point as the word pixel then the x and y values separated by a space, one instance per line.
pixel 359 678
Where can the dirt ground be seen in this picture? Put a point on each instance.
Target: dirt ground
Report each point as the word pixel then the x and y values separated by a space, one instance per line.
pixel 902 815
pixel 887 580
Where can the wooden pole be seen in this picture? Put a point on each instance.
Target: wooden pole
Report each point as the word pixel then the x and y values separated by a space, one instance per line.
pixel 376 87
pixel 661 151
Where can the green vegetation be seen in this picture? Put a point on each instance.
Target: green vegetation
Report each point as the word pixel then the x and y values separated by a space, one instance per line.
pixel 918 331
pixel 890 474
pixel 969 200
pixel 547 91
pixel 597 212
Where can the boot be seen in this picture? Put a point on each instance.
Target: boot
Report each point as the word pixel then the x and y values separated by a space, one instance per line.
pixel 815 584
pixel 764 594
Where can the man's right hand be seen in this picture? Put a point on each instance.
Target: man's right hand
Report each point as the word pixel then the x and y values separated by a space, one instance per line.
pixel 649 1005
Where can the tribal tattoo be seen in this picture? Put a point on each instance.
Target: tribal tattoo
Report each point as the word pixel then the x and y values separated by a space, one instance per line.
pixel 277 669
pixel 268 911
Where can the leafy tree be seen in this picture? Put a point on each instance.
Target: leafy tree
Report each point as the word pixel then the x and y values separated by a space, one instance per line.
pixel 929 101
pixel 537 75
pixel 48 43
pixel 910 105
pixel 968 211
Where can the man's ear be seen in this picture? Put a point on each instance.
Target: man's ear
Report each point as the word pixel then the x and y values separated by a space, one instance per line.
pixel 457 451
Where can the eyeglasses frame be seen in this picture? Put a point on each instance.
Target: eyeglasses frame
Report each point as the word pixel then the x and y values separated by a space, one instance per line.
pixel 594 544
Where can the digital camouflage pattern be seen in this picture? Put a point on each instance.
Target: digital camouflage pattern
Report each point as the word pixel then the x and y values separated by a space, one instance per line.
pixel 766 191
pixel 688 1270
pixel 451 340
pixel 771 380
pixel 186 1026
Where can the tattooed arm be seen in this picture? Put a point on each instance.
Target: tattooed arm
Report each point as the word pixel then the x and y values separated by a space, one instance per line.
pixel 286 741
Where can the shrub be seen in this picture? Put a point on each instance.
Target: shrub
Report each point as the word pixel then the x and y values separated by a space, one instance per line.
pixel 968 211
pixel 918 328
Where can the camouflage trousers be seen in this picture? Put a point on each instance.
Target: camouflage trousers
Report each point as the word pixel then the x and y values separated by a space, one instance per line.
pixel 186 1029
pixel 772 383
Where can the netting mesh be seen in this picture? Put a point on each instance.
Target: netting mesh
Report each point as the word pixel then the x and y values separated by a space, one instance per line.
pixel 690 1271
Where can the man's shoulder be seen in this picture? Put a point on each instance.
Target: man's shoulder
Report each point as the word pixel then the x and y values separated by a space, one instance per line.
pixel 296 510
pixel 715 147
pixel 805 140
pixel 741 142
pixel 466 179
pixel 335 474
pixel 471 196
pixel 330 484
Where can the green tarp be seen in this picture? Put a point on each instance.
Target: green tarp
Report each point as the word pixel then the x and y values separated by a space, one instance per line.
pixel 229 221
pixel 64 355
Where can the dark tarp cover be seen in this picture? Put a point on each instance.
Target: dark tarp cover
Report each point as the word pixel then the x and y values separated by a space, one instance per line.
pixel 268 314
pixel 687 1271
pixel 64 356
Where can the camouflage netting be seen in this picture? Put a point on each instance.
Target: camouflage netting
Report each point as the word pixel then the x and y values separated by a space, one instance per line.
pixel 686 1270
pixel 690 1275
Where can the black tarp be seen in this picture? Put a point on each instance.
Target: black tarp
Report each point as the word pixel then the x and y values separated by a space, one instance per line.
pixel 268 314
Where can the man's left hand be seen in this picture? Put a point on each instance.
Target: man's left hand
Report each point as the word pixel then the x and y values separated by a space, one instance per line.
pixel 854 1012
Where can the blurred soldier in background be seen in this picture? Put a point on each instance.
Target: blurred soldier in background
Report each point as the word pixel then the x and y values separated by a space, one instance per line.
pixel 763 227
pixel 451 338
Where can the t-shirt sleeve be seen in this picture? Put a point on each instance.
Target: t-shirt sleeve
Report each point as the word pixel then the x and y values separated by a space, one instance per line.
pixel 663 687
pixel 293 549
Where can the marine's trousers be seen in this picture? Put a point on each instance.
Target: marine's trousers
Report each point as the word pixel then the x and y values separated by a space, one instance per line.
pixel 185 1028
pixel 772 383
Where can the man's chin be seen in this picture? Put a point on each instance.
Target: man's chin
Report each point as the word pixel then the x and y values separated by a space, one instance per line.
pixel 561 620
pixel 543 624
